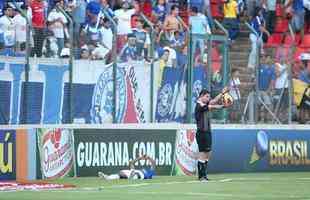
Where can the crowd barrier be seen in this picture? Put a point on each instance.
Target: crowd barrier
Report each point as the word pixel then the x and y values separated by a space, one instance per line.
pixel 54 151
pixel 48 97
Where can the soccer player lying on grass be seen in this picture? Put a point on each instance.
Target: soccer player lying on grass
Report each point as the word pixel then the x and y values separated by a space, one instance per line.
pixel 132 173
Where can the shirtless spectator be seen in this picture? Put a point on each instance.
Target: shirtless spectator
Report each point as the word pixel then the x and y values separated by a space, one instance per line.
pixel 172 21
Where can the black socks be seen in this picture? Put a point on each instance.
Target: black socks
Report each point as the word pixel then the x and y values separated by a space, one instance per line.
pixel 201 169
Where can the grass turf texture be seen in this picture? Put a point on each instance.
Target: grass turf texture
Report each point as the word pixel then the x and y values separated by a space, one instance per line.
pixel 262 186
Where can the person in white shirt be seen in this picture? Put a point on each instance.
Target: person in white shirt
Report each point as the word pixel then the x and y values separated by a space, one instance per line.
pixel 281 89
pixel 20 28
pixel 57 23
pixel 106 34
pixel 172 60
pixel 7 27
pixel 234 91
pixel 123 18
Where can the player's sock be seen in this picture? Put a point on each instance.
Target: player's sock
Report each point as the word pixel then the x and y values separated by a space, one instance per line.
pixel 206 168
pixel 201 169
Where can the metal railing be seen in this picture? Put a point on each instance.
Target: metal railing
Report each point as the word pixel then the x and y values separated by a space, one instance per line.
pixel 71 57
pixel 114 59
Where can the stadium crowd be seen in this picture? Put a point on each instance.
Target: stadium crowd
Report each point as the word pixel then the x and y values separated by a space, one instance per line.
pixel 172 20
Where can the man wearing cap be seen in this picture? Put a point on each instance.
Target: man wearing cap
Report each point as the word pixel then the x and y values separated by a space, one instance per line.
pixel 203 135
pixel 90 31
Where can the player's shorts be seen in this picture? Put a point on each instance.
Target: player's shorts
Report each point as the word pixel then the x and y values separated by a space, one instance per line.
pixel 204 141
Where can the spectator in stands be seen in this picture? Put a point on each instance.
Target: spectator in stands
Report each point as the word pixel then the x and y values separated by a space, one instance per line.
pixel 130 52
pixel 231 22
pixel 258 25
pixel 38 24
pixel 50 47
pixel 179 40
pixel 106 34
pixel 171 3
pixel 65 51
pixel 7 26
pixel 90 33
pixel 137 13
pixel 199 27
pixel 266 84
pixel 172 59
pixel 123 17
pixel 99 52
pixel 84 54
pixel 251 7
pixel 173 22
pixel 105 5
pixel 162 64
pixel 305 74
pixel 20 28
pixel 57 23
pixel 165 37
pixel 281 89
pixel 298 19
pixel 79 18
pixel 270 8
pixel 304 112
pixel 234 84
pixel 160 10
pixel 143 39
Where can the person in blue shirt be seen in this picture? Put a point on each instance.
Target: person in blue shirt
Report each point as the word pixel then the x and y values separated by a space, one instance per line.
pixel 200 28
pixel 298 19
pixel 130 50
pixel 132 173
pixel 258 24
pixel 143 39
pixel 160 10
pixel 305 74
pixel 266 82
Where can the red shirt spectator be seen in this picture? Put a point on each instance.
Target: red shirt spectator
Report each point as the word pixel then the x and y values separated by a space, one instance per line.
pixel 38 19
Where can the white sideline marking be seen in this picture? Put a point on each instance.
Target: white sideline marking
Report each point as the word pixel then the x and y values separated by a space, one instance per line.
pixel 225 180
pixel 305 178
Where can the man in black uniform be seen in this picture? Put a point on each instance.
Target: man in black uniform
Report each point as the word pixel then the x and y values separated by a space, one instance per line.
pixel 203 134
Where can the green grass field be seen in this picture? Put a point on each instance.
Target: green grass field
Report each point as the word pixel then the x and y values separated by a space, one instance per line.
pixel 260 186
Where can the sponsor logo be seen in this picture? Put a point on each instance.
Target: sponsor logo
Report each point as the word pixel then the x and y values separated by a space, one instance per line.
pixel 285 152
pixel 165 100
pixel 280 152
pixel 7 145
pixel 57 152
pixel 260 148
pixel 99 154
pixel 102 104
pixel 186 153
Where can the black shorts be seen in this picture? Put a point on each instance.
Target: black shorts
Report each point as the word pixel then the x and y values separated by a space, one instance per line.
pixel 204 141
